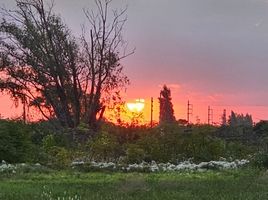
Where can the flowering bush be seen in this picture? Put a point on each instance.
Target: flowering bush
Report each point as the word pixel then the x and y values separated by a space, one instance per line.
pixel 159 167
pixel 6 168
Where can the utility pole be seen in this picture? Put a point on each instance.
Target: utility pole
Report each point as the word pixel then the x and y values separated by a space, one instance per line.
pixel 189 111
pixel 24 110
pixel 212 121
pixel 152 110
pixel 210 115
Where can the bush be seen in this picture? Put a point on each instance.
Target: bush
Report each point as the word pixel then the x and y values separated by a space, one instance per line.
pixel 54 155
pixel 207 148
pixel 175 143
pixel 15 142
pixel 151 147
pixel 237 150
pixel 59 157
pixel 134 154
pixel 260 160
pixel 104 147
pixel 49 142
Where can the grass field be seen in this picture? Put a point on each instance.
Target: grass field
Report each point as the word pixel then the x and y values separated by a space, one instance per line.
pixel 235 184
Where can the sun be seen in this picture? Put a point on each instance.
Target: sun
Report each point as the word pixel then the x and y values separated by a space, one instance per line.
pixel 137 106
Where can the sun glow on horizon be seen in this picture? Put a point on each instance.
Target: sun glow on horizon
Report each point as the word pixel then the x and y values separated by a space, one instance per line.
pixel 137 106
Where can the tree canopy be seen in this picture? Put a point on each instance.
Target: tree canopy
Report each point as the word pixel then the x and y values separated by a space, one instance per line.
pixel 44 65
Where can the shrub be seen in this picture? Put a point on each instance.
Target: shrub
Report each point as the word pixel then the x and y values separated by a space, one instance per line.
pixel 134 154
pixel 54 155
pixel 15 142
pixel 260 160
pixel 207 148
pixel 49 142
pixel 237 150
pixel 151 147
pixel 58 157
pixel 104 147
pixel 158 167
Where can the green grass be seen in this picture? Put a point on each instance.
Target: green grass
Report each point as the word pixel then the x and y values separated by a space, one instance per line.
pixel 235 184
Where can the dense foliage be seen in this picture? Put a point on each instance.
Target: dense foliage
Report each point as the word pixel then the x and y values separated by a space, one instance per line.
pixel 174 143
pixel 15 142
pixel 44 66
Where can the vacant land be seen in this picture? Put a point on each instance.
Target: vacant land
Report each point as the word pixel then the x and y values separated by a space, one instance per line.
pixel 234 184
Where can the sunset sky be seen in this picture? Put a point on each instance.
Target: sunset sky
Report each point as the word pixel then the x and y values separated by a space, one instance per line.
pixel 212 52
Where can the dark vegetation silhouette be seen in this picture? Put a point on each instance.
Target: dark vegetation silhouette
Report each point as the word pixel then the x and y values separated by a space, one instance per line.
pixel 46 67
pixel 169 142
pixel 166 142
pixel 166 114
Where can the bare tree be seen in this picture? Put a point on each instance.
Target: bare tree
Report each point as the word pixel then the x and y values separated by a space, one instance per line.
pixel 103 49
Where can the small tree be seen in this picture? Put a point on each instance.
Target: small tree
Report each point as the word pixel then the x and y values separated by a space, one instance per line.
pixel 166 106
pixel 224 118
pixel 232 119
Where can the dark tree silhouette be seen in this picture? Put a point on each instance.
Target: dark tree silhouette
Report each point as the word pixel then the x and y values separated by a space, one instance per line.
pixel 166 106
pixel 39 61
pixel 224 118
pixel 236 120
pixel 102 45
pixel 42 64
